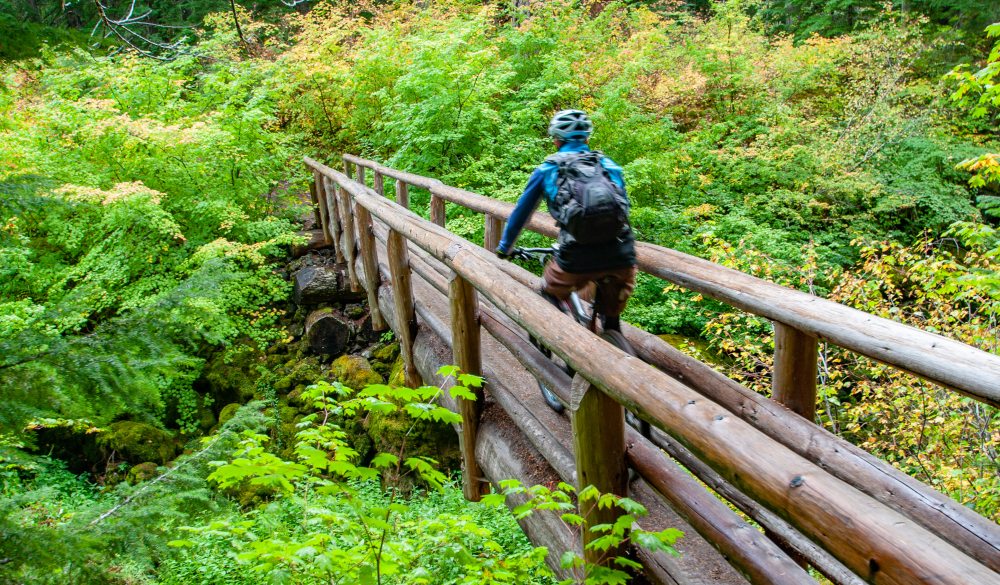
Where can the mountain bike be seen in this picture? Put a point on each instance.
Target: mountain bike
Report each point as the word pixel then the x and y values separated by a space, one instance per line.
pixel 574 307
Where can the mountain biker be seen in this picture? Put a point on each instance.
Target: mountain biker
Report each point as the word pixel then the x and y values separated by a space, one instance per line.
pixel 609 263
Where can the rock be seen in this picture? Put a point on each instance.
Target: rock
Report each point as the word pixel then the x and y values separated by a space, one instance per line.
pixel 295 396
pixel 354 372
pixel 206 418
pixel 315 241
pixel 288 414
pixel 326 332
pixel 136 441
pixel 387 353
pixel 323 284
pixel 231 375
pixel 391 431
pixel 383 358
pixel 227 412
pixel 397 376
pixel 142 472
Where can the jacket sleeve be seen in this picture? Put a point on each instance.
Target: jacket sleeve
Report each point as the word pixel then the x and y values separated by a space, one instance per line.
pixel 526 205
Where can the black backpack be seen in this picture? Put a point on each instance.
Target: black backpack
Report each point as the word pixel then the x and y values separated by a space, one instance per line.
pixel 588 204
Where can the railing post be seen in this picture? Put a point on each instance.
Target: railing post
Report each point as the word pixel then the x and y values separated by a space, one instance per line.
pixel 465 344
pixel 324 215
pixel 361 174
pixel 347 221
pixel 491 232
pixel 599 446
pixel 402 298
pixel 793 380
pixel 369 261
pixel 333 213
pixel 377 183
pixel 347 168
pixel 315 201
pixel 402 193
pixel 437 210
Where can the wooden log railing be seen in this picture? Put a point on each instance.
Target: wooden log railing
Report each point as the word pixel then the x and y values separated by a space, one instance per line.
pixel 869 521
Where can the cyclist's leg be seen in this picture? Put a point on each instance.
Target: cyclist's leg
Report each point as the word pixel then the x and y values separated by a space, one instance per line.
pixel 614 287
pixel 558 284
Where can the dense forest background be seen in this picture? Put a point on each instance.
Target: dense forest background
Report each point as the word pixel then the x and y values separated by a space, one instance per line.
pixel 150 189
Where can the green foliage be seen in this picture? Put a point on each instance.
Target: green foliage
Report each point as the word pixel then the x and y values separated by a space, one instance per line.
pixel 948 286
pixel 979 93
pixel 328 517
pixel 719 127
pixel 606 539
pixel 57 528
pixel 159 245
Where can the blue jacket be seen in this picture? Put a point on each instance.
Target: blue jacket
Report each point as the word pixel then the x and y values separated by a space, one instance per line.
pixel 572 257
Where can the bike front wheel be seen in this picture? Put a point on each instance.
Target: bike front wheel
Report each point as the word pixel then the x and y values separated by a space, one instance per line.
pixel 617 339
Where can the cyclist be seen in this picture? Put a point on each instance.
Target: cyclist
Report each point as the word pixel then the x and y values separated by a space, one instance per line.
pixel 610 260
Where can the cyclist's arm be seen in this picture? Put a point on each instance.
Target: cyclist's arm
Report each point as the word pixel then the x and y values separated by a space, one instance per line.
pixel 526 205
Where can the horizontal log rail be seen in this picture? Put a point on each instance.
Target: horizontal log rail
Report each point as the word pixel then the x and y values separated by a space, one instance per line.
pixel 872 539
pixel 941 360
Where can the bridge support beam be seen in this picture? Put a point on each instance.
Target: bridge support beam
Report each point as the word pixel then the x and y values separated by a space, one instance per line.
pixel 793 380
pixel 315 200
pixel 599 443
pixel 402 300
pixel 333 213
pixel 347 221
pixel 466 350
pixel 402 193
pixel 369 262
pixel 492 232
pixel 437 210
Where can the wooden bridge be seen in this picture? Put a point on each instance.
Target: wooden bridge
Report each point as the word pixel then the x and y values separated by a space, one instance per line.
pixel 821 501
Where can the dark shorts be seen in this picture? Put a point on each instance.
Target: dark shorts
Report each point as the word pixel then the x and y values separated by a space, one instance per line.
pixel 614 286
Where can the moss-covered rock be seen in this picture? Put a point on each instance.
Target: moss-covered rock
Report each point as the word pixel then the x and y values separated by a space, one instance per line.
pixel 397 375
pixel 251 495
pixel 288 413
pixel 136 441
pixel 206 418
pixel 354 372
pixel 231 375
pixel 384 357
pixel 298 372
pixel 389 432
pixel 295 396
pixel 228 412
pixel 142 472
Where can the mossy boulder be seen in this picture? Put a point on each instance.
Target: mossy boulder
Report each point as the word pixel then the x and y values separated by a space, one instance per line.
pixel 231 375
pixel 142 472
pixel 384 357
pixel 354 372
pixel 397 375
pixel 228 412
pixel 206 418
pixel 288 413
pixel 390 431
pixel 294 397
pixel 137 441
pixel 298 372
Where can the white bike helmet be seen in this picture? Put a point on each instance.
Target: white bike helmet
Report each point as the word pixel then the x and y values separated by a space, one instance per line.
pixel 571 125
